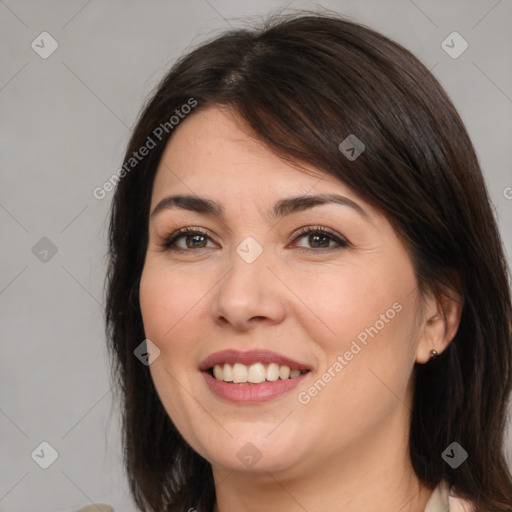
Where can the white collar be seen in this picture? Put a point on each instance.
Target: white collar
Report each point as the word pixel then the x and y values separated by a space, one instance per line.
pixel 442 500
pixel 439 501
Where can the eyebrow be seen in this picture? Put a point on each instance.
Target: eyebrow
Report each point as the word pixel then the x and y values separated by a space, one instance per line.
pixel 282 208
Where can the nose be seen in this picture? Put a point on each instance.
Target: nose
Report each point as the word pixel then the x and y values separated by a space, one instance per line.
pixel 248 295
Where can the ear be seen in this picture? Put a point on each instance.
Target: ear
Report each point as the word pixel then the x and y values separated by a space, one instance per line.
pixel 439 324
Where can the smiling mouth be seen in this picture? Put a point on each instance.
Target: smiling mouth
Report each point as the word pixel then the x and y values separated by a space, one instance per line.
pixel 256 373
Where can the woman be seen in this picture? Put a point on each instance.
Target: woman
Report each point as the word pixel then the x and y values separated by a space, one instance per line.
pixel 307 301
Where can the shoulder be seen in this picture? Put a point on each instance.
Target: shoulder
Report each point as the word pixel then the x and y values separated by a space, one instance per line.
pixel 95 507
pixel 458 504
pixel 444 499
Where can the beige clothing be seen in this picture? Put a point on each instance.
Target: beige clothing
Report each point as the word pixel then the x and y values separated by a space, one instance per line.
pixel 440 501
pixel 95 507
pixel 444 501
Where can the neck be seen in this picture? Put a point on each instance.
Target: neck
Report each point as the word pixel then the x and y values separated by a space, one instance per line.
pixel 374 473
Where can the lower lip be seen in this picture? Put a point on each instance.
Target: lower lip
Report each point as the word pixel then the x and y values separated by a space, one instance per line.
pixel 247 393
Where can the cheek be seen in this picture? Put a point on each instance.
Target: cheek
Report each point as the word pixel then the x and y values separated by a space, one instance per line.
pixel 167 302
pixel 351 302
pixel 367 316
pixel 377 304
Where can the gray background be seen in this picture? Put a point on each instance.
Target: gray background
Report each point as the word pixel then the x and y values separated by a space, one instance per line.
pixel 65 121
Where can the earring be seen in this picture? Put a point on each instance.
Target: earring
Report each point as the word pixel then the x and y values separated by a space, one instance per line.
pixel 433 354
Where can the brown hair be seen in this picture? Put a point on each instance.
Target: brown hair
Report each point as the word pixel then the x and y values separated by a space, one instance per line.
pixel 303 83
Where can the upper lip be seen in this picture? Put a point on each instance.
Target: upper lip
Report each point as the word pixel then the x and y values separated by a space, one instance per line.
pixel 249 357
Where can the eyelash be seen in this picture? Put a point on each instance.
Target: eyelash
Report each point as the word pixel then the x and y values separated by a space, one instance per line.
pixel 183 232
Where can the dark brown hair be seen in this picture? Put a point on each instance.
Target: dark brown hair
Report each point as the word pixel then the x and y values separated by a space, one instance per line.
pixel 303 83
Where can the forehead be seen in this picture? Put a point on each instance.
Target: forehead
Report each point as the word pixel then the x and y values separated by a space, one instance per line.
pixel 214 152
pixel 213 142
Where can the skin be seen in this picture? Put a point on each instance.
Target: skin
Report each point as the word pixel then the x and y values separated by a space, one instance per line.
pixel 347 448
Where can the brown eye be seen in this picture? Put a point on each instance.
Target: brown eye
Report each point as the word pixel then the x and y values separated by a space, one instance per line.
pixel 194 239
pixel 320 238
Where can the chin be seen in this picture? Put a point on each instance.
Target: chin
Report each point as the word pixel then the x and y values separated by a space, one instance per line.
pixel 251 454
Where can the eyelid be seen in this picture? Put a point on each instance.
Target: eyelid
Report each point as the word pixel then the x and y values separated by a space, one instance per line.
pixel 167 241
pixel 339 239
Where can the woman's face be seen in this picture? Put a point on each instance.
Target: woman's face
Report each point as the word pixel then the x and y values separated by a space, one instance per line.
pixel 258 279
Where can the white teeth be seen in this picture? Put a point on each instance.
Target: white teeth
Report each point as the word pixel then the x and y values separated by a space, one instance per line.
pixel 217 372
pixel 255 373
pixel 284 372
pixel 228 373
pixel 239 373
pixel 272 372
